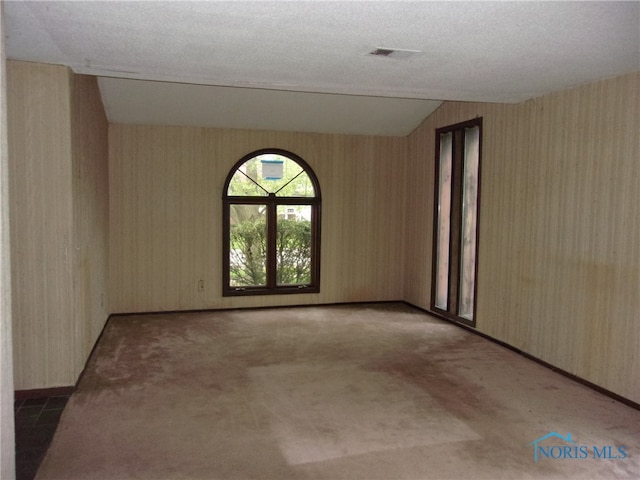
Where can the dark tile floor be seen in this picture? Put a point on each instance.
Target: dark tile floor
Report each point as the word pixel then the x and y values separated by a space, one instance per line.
pixel 36 422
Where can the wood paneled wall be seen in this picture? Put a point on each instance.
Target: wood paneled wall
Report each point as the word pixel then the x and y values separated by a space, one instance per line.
pixel 559 262
pixel 165 199
pixel 58 211
pixel 90 173
pixel 39 110
pixel 7 431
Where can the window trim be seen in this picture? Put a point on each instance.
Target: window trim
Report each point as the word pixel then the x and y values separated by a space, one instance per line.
pixel 272 202
pixel 452 310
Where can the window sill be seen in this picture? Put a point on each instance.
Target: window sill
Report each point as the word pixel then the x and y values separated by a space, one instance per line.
pixel 288 290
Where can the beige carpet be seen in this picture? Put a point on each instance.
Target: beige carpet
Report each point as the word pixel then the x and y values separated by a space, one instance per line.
pixel 377 391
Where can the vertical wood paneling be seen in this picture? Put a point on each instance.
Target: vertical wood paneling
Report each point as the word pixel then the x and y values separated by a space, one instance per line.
pixel 7 431
pixel 419 197
pixel 165 196
pixel 559 272
pixel 89 129
pixel 59 221
pixel 41 223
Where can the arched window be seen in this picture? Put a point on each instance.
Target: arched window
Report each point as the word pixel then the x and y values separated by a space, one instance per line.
pixel 271 225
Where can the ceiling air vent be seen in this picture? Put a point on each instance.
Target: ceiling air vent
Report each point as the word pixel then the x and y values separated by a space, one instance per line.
pixel 381 52
pixel 393 52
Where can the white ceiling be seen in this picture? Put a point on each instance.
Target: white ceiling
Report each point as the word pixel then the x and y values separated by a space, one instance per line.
pixel 305 65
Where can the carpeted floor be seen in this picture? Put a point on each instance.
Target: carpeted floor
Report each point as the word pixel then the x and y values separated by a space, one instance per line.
pixel 379 391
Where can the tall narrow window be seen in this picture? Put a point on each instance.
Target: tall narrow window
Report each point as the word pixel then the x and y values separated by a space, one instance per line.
pixel 456 220
pixel 271 227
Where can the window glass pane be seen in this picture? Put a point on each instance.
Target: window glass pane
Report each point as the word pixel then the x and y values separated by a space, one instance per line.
pixel 271 173
pixel 469 222
pixel 293 245
pixel 444 214
pixel 242 184
pixel 299 186
pixel 248 245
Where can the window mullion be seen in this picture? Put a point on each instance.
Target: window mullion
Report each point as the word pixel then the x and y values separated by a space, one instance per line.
pixel 456 218
pixel 272 225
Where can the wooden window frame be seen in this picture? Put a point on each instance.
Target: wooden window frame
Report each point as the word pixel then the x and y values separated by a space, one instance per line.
pixel 454 248
pixel 272 202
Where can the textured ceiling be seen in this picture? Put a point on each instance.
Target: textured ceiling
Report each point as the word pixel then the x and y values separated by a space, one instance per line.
pixel 275 51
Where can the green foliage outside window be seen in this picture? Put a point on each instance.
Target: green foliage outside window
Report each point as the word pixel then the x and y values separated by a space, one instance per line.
pixel 293 252
pixel 249 252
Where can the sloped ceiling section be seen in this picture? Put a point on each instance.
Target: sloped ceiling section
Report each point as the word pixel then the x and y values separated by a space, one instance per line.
pixel 157 103
pixel 308 65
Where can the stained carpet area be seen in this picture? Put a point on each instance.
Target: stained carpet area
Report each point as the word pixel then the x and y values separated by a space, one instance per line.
pixel 380 391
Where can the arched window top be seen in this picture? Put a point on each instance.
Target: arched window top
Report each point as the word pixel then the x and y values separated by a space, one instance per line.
pixel 272 172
